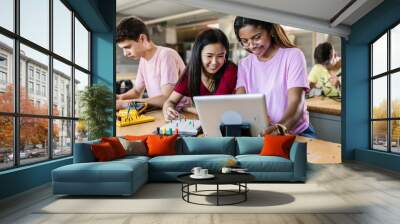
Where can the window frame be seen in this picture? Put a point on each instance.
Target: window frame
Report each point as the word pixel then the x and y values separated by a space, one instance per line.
pixel 15 71
pixel 388 74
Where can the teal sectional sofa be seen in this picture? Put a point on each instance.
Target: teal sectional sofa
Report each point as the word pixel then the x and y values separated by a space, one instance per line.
pixel 125 176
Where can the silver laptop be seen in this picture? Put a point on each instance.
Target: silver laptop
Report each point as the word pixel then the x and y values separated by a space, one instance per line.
pixel 231 109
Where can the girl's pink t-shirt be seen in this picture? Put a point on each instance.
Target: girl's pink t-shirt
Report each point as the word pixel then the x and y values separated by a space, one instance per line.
pixel 285 70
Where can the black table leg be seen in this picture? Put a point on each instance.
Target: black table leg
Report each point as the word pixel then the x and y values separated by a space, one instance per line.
pixel 188 190
pixel 217 194
pixel 245 193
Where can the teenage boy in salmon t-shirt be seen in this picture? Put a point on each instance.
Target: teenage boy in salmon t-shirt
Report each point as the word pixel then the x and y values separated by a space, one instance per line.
pixel 159 67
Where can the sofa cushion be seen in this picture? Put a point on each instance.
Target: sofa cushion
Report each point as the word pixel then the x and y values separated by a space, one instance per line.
pixel 161 145
pixel 209 145
pixel 133 157
pixel 249 145
pixel 134 147
pixel 83 152
pixel 136 137
pixel 103 152
pixel 112 171
pixel 277 145
pixel 116 145
pixel 257 163
pixel 185 163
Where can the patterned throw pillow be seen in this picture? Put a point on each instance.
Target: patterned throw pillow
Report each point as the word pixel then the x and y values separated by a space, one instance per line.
pixel 134 147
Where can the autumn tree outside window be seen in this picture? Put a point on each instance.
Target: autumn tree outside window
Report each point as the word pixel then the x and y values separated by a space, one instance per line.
pixel 385 94
pixel 44 64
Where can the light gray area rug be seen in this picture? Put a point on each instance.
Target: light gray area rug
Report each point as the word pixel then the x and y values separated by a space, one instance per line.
pixel 166 198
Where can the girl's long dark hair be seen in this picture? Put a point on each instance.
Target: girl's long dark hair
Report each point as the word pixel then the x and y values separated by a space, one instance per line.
pixel 195 65
pixel 277 33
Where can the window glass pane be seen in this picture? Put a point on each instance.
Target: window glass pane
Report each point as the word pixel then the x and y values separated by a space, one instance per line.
pixel 62 89
pixel 33 139
pixel 379 98
pixel 34 81
pixel 379 135
pixel 395 136
pixel 6 74
pixel 81 45
pixel 81 131
pixel 62 138
pixel 7 14
pixel 395 47
pixel 379 55
pixel 81 81
pixel 6 142
pixel 35 21
pixel 395 94
pixel 62 29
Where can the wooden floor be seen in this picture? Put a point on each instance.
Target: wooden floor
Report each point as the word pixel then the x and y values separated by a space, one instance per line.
pixel 378 189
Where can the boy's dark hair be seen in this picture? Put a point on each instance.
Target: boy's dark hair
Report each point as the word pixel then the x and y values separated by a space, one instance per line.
pixel 130 29
pixel 323 53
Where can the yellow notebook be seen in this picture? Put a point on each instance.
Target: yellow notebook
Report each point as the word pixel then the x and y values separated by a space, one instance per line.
pixel 125 119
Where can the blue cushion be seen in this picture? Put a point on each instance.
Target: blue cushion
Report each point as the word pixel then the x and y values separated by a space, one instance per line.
pixel 119 177
pixel 83 153
pixel 257 163
pixel 184 163
pixel 133 157
pixel 98 171
pixel 209 145
pixel 249 145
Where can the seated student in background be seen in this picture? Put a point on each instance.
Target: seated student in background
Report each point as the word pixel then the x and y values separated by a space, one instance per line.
pixel 324 74
pixel 276 68
pixel 208 73
pixel 159 67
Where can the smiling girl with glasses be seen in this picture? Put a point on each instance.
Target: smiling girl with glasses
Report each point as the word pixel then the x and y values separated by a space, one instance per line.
pixel 276 68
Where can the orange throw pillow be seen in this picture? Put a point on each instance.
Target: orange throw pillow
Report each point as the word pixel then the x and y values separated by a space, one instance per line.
pixel 277 145
pixel 103 152
pixel 161 145
pixel 116 145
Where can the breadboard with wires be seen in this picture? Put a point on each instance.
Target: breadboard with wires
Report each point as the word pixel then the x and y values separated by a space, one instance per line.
pixel 186 127
pixel 131 118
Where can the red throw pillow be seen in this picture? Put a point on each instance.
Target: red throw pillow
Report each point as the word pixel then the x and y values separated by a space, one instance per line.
pixel 116 145
pixel 103 151
pixel 277 145
pixel 161 145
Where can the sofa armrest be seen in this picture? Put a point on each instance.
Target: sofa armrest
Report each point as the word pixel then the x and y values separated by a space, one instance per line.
pixel 83 152
pixel 298 155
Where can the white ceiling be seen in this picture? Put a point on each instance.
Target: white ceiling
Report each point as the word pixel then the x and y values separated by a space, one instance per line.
pixel 315 15
pixel 320 9
pixel 151 9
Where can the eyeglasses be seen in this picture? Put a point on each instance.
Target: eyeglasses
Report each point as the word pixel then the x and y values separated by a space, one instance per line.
pixel 254 39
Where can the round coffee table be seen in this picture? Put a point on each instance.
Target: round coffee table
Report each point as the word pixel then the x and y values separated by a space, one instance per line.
pixel 238 179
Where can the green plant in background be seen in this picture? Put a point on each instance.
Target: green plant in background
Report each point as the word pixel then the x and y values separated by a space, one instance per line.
pixel 96 103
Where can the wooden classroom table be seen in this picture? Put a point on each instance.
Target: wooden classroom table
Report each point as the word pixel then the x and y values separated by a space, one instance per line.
pixel 318 151
pixel 324 105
